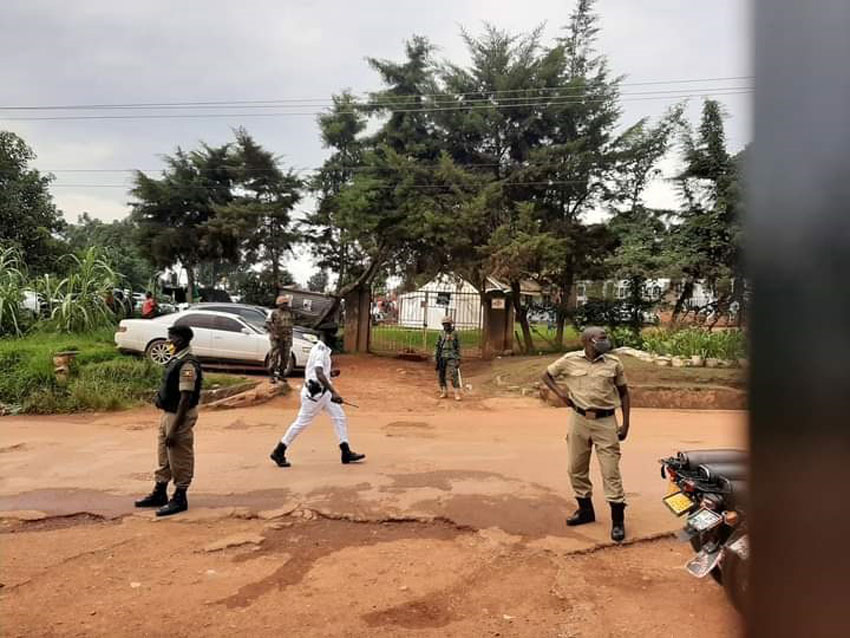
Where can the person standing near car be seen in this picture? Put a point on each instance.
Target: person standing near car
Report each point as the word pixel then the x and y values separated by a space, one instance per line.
pixel 280 325
pixel 149 306
pixel 318 395
pixel 447 358
pixel 178 398
pixel 597 386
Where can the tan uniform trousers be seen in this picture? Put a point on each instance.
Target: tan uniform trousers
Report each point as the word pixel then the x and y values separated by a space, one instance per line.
pixel 177 461
pixel 584 434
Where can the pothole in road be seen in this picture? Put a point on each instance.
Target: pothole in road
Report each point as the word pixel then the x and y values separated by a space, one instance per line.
pixel 310 541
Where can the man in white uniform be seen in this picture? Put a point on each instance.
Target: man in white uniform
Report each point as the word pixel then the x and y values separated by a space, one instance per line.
pixel 317 395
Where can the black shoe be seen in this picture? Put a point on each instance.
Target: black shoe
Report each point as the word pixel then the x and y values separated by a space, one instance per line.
pixel 278 455
pixel 272 380
pixel 618 526
pixel 348 456
pixel 584 514
pixel 177 504
pixel 157 498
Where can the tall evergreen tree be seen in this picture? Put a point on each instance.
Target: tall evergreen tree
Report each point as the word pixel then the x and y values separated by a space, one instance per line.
pixel 257 223
pixel 707 230
pixel 173 212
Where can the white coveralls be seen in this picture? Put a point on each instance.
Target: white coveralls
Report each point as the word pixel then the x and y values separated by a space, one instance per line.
pixel 320 357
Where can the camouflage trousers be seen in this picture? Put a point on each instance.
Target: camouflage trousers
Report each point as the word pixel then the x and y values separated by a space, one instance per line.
pixel 279 356
pixel 449 368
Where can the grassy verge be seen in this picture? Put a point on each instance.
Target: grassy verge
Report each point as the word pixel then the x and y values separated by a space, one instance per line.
pixel 101 379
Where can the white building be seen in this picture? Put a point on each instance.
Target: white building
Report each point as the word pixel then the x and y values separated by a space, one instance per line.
pixel 444 295
pixel 654 289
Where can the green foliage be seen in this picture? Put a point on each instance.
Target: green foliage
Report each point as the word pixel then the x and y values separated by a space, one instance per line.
pixel 706 238
pixel 117 239
pixel 688 342
pixel 102 379
pixel 28 218
pixel 173 213
pixel 318 281
pixel 14 318
pixel 625 336
pixel 261 288
pixel 256 223
pixel 77 302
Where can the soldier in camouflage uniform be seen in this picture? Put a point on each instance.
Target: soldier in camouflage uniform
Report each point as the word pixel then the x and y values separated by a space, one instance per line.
pixel 447 357
pixel 279 325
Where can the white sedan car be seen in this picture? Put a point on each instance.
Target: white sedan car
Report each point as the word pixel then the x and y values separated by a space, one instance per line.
pixel 219 338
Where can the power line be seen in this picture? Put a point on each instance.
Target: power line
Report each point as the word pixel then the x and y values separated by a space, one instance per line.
pixel 398 185
pixel 389 101
pixel 550 102
pixel 325 100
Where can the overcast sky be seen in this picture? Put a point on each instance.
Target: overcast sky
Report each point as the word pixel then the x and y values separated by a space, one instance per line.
pixel 56 52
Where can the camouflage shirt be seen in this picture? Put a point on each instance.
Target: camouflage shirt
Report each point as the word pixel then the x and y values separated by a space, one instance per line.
pixel 448 346
pixel 280 325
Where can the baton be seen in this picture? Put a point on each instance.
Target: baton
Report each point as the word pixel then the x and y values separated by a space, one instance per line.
pixel 460 377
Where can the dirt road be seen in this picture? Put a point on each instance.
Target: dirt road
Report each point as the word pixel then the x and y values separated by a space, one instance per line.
pixel 452 527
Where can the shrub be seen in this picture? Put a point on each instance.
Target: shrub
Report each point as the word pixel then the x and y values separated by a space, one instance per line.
pixel 626 337
pixel 688 342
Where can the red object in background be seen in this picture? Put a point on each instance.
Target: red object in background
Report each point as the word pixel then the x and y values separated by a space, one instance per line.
pixel 149 308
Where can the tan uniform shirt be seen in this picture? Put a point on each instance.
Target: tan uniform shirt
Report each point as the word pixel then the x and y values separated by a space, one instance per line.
pixel 591 384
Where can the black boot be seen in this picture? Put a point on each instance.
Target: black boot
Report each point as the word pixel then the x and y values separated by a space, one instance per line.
pixel 584 513
pixel 157 498
pixel 278 455
pixel 177 504
pixel 618 525
pixel 348 456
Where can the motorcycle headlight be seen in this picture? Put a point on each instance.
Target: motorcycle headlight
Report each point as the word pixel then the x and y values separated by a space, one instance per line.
pixel 310 337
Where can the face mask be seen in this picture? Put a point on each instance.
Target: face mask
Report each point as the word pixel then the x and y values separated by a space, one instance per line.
pixel 602 345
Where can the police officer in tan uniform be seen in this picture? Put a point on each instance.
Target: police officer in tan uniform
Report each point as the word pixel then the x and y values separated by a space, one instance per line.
pixel 597 386
pixel 280 326
pixel 178 398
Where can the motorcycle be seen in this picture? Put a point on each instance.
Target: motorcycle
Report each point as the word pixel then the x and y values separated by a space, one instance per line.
pixel 709 488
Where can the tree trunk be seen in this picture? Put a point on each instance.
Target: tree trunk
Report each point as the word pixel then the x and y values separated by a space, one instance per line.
pixel 361 282
pixel 687 293
pixel 566 286
pixel 560 321
pixel 522 317
pixel 190 282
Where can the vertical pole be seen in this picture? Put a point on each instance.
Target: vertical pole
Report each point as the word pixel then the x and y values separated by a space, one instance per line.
pixel 425 324
pixel 799 256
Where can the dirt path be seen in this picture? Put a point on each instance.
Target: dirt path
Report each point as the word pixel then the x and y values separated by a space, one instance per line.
pixel 453 526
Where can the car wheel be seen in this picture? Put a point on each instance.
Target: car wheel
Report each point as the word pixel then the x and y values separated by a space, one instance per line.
pixel 290 366
pixel 159 352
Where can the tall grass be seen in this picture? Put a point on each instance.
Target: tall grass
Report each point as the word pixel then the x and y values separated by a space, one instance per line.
pixel 102 379
pixel 14 318
pixel 77 303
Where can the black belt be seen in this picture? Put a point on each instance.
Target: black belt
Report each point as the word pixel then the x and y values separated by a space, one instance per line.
pixel 593 413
